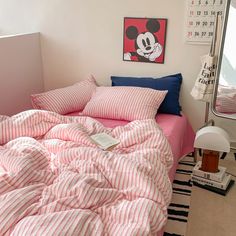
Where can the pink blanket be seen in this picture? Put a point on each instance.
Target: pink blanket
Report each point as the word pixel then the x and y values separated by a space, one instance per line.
pixel 177 130
pixel 57 182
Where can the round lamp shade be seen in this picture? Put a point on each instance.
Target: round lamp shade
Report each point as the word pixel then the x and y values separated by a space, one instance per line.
pixel 212 138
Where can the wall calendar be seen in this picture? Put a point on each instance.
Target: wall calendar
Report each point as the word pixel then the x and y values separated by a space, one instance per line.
pixel 201 18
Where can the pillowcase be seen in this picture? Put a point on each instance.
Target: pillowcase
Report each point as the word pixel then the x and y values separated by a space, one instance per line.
pixel 226 103
pixel 226 99
pixel 67 99
pixel 124 103
pixel 172 83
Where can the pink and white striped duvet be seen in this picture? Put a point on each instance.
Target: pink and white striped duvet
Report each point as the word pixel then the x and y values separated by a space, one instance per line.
pixel 57 182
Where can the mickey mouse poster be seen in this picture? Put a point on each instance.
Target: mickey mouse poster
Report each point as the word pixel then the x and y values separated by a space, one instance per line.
pixel 144 39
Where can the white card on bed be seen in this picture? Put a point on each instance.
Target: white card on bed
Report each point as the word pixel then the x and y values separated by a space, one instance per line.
pixel 1 170
pixel 104 141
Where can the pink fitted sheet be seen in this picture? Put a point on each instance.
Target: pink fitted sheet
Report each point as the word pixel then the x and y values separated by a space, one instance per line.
pixel 177 129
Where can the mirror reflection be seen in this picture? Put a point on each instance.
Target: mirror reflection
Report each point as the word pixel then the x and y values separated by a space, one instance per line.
pixel 225 99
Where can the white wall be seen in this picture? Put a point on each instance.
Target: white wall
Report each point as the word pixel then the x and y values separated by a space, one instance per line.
pixel 79 37
pixel 20 72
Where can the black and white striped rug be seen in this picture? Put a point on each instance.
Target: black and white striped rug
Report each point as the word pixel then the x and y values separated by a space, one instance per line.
pixel 229 156
pixel 180 203
pixel 179 207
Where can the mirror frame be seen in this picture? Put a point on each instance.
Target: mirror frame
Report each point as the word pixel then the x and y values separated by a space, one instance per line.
pixel 219 61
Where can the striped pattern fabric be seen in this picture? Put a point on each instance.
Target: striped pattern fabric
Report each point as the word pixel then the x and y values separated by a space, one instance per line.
pixel 124 103
pixel 226 99
pixel 226 103
pixel 67 99
pixel 178 209
pixel 57 182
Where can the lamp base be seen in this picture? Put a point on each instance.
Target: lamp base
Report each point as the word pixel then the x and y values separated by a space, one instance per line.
pixel 210 161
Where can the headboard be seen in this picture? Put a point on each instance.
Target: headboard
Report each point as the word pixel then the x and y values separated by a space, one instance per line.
pixel 20 71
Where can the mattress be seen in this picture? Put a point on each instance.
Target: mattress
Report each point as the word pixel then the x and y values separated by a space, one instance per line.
pixel 177 130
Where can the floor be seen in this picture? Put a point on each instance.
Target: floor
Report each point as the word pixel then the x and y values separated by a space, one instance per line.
pixel 212 214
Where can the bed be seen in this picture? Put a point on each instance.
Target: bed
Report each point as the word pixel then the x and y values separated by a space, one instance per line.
pixel 56 181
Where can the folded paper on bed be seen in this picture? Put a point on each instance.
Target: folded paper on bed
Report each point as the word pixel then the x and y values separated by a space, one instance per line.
pixel 104 141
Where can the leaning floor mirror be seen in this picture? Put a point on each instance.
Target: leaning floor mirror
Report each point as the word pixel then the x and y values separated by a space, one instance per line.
pixel 224 98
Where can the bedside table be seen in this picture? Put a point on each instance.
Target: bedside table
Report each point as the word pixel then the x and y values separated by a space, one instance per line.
pixel 212 214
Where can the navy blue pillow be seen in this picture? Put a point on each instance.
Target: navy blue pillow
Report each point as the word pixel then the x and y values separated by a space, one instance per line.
pixel 172 83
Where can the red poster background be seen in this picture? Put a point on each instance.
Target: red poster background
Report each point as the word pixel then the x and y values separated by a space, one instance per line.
pixel 140 23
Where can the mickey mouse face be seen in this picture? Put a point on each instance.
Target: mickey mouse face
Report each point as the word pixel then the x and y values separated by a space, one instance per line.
pixel 141 42
pixel 146 42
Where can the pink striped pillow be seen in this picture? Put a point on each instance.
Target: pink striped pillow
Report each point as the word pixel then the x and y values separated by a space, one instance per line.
pixel 124 103
pixel 226 99
pixel 65 100
pixel 226 103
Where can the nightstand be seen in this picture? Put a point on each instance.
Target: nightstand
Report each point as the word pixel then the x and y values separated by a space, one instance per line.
pixel 212 214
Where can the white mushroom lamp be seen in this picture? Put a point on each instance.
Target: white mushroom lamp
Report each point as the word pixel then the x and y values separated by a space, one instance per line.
pixel 212 140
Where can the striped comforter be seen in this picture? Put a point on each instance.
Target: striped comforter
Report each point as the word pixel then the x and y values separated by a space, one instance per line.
pixel 57 182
